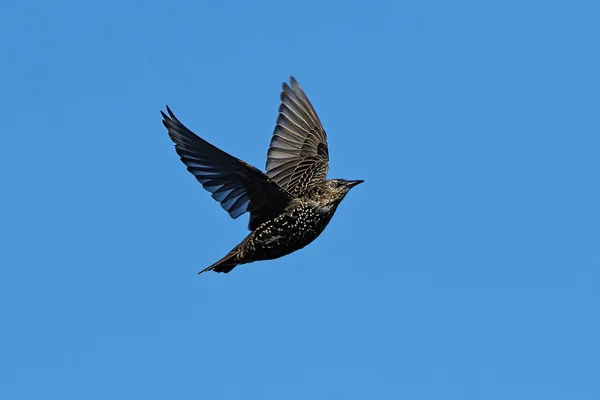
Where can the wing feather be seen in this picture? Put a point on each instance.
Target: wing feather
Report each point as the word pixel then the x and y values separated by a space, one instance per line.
pixel 235 184
pixel 298 156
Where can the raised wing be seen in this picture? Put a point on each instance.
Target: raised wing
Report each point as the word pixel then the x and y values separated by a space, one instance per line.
pixel 237 185
pixel 298 156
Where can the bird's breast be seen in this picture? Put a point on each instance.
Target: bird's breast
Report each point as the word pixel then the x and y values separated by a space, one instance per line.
pixel 289 231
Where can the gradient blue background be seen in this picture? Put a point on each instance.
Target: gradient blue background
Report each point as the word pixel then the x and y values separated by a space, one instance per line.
pixel 466 267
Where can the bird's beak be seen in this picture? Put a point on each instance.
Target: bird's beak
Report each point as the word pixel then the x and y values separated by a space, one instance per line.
pixel 354 183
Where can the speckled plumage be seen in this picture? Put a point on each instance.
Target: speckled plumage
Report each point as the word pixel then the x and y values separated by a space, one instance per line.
pixel 289 205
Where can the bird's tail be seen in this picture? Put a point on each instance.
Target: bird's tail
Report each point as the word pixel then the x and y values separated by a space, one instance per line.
pixel 225 264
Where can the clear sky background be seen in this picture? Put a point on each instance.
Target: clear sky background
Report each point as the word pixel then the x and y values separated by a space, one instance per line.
pixel 465 267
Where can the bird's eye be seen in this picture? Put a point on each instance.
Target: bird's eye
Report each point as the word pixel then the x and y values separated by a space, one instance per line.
pixel 333 184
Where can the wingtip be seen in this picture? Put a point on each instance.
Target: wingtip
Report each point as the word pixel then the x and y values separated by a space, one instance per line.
pixel 170 113
pixel 170 117
pixel 294 82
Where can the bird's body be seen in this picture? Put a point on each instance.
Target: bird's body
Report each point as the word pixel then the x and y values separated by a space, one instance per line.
pixel 302 221
pixel 291 204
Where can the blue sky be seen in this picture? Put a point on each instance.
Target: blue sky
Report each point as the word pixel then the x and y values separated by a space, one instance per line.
pixel 465 267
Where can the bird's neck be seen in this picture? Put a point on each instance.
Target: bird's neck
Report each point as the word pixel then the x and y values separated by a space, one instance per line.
pixel 328 207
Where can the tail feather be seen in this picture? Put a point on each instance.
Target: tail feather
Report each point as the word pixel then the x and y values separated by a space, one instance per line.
pixel 225 264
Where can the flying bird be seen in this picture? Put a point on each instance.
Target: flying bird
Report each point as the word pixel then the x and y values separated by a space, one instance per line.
pixel 291 203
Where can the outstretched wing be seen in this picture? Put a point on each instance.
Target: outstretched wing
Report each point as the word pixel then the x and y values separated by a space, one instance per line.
pixel 237 185
pixel 298 156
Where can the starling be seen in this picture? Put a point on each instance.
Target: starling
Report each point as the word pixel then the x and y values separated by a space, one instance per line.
pixel 289 205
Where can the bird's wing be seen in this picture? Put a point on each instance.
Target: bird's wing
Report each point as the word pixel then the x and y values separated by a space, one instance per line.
pixel 237 185
pixel 298 157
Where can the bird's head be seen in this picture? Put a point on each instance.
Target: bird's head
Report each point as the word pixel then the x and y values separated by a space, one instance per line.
pixel 334 190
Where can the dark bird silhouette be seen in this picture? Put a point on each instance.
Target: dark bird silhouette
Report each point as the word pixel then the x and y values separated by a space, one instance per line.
pixel 289 205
